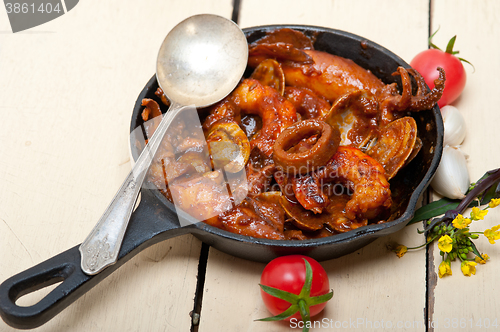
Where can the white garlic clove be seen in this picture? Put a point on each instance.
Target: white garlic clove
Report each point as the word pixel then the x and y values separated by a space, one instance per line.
pixel 454 126
pixel 452 176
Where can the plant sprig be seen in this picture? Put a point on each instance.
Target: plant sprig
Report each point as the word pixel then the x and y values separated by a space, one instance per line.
pixel 455 241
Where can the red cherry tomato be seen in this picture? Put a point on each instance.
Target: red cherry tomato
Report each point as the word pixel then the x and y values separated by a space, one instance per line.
pixel 426 63
pixel 288 273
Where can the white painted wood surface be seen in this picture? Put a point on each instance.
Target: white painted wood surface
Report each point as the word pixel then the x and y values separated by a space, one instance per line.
pixel 469 302
pixel 66 93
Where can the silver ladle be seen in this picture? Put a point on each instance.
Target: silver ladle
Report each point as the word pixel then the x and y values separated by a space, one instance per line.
pixel 200 62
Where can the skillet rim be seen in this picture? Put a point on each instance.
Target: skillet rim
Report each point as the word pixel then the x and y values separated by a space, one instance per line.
pixel 372 231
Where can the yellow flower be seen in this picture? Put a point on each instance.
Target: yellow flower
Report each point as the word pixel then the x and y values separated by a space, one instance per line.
pixel 477 213
pixel 444 269
pixel 494 202
pixel 445 243
pixel 460 222
pixel 492 234
pixel 400 250
pixel 468 268
pixel 482 260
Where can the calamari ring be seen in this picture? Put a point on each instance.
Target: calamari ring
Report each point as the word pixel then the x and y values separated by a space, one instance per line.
pixel 319 154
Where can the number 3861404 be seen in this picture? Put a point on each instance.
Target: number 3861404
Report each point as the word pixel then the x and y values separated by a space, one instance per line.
pixel 25 8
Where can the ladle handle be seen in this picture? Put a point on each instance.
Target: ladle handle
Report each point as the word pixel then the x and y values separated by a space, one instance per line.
pixel 150 223
pixel 100 248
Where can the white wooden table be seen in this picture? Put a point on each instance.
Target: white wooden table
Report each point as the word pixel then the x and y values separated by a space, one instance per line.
pixel 67 89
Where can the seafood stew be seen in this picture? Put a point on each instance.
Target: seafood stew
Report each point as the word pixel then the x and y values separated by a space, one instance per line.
pixel 315 161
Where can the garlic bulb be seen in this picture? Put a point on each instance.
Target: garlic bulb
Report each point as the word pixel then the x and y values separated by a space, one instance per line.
pixel 454 126
pixel 452 177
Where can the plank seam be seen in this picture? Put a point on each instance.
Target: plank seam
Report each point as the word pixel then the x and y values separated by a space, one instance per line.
pixel 430 270
pixel 235 16
pixel 200 285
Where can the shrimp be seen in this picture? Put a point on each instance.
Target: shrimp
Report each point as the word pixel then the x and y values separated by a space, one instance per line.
pixel 360 173
pixel 275 111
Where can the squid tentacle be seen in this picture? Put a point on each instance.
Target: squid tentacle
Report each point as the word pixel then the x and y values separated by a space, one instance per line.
pixel 403 101
pixel 424 101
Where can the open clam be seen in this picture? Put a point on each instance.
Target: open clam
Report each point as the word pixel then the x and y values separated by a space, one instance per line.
pixel 332 216
pixel 228 145
pixel 302 218
pixel 270 73
pixel 352 114
pixel 395 145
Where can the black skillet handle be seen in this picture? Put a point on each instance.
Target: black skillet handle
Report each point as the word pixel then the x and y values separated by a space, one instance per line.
pixel 150 223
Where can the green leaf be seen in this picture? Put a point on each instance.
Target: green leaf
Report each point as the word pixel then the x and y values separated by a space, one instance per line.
pixel 492 192
pixel 475 251
pixel 485 175
pixel 281 294
pixel 306 290
pixel 285 314
pixel 434 209
pixel 304 314
pixel 466 61
pixel 438 208
pixel 451 43
pixel 431 45
pixel 319 299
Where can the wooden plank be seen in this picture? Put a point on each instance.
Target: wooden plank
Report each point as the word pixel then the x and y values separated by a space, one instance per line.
pixel 461 302
pixel 67 89
pixel 369 283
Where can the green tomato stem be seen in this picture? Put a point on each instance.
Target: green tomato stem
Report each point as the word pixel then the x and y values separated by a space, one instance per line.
pixel 424 244
pixel 304 314
pixel 449 47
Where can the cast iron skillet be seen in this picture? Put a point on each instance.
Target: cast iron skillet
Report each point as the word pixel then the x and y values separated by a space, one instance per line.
pixel 154 220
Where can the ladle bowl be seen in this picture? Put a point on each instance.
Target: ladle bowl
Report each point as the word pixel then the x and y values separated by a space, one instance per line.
pixel 201 60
